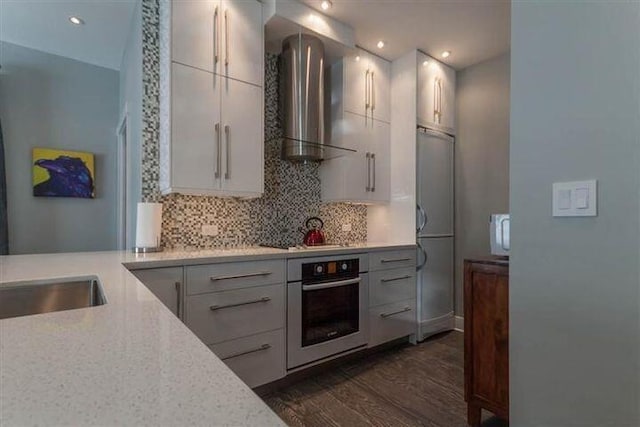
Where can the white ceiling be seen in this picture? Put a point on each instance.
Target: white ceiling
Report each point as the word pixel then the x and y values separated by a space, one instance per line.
pixel 44 25
pixel 473 30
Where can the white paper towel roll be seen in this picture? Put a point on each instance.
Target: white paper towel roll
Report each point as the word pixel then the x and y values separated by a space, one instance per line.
pixel 148 225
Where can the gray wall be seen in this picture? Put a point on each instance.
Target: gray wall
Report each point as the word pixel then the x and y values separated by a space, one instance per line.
pixel 574 282
pixel 51 101
pixel 482 158
pixel 131 102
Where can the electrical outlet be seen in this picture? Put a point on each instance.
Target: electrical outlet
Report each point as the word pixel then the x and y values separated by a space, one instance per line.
pixel 209 230
pixel 346 226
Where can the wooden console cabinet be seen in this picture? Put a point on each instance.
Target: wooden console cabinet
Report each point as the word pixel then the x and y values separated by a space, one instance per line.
pixel 486 338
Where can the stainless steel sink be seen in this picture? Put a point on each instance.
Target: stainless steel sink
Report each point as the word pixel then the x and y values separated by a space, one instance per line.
pixel 35 297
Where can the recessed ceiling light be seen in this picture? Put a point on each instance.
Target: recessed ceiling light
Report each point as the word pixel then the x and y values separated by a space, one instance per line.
pixel 76 21
pixel 446 53
pixel 425 63
pixel 380 44
pixel 326 4
pixel 357 57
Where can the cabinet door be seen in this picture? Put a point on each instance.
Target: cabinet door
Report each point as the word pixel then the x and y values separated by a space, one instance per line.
pixel 486 333
pixel 166 285
pixel 242 138
pixel 359 167
pixel 195 114
pixel 242 41
pixel 448 103
pixel 355 83
pixel 195 32
pixel 428 71
pixel 381 163
pixel 380 92
pixel 347 176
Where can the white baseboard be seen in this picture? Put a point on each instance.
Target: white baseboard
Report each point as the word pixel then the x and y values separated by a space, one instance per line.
pixel 434 326
pixel 459 324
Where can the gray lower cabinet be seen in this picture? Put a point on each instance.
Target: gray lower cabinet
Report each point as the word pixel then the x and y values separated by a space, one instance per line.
pixel 256 359
pixel 383 260
pixel 166 284
pixel 222 316
pixel 238 309
pixel 233 275
pixel 392 295
pixel 390 321
pixel 392 285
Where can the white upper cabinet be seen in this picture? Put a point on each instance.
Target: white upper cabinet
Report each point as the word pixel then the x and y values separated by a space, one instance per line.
pixel 436 94
pixel 242 142
pixel 360 115
pixel 363 175
pixel 242 41
pixel 365 82
pixel 195 123
pixel 211 97
pixel 193 32
pixel 380 162
pixel 219 36
pixel 380 88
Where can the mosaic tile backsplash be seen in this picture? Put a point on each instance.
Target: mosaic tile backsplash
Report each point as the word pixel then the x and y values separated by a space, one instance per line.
pixel 292 191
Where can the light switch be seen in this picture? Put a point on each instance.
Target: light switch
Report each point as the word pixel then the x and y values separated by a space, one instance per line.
pixel 582 198
pixel 564 199
pixel 577 198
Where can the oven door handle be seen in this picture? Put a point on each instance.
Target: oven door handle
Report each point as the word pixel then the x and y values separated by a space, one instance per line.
pixel 331 284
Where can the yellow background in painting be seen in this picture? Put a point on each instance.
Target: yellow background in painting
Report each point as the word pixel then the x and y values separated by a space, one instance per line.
pixel 41 174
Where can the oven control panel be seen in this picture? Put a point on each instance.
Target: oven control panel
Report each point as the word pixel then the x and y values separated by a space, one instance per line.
pixel 320 271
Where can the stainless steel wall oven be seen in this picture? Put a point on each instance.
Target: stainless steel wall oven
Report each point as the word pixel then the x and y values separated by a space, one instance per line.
pixel 327 307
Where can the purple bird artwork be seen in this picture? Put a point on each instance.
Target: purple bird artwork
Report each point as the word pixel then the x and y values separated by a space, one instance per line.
pixel 63 175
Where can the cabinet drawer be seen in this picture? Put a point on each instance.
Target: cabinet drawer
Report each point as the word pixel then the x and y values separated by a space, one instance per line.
pixel 392 259
pixel 222 316
pixel 388 286
pixel 235 275
pixel 257 360
pixel 391 321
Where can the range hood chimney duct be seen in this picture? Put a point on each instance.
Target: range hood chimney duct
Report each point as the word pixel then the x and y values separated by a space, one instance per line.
pixel 302 98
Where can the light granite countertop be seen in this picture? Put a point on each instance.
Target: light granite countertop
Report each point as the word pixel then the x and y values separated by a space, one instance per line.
pixel 127 362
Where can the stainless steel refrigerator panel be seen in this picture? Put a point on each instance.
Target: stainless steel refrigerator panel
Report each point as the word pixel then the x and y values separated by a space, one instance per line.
pixel 435 278
pixel 435 184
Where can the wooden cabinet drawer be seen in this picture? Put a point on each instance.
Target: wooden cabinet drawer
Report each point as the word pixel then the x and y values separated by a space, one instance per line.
pixel 392 259
pixel 390 321
pixel 257 360
pixel 234 275
pixel 222 316
pixel 388 286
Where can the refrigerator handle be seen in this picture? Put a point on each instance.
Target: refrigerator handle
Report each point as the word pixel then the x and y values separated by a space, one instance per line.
pixel 422 216
pixel 424 253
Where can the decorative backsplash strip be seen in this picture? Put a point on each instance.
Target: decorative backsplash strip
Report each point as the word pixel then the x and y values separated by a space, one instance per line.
pixel 292 191
pixel 150 167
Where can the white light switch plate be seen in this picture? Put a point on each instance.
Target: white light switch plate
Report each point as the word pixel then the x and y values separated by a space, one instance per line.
pixel 576 198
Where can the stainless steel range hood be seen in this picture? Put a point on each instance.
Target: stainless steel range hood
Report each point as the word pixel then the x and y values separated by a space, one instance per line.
pixel 302 98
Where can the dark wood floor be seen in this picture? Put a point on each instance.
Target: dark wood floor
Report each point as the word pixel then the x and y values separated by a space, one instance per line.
pixel 419 385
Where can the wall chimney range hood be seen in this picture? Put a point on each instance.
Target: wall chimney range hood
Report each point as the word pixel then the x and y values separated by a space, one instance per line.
pixel 302 98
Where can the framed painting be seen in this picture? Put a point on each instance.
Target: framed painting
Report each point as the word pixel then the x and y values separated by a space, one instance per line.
pixel 62 173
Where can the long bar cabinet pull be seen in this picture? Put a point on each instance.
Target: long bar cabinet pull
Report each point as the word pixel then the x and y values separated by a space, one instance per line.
pixel 263 347
pixel 239 304
pixel 393 313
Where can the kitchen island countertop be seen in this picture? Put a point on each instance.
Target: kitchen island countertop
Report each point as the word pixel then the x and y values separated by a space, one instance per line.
pixel 129 361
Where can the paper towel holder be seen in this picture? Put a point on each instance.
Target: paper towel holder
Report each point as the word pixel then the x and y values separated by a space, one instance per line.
pixel 149 214
pixel 146 250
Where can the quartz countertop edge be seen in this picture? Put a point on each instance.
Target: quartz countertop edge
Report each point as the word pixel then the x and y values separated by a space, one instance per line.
pixel 172 258
pixel 129 361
